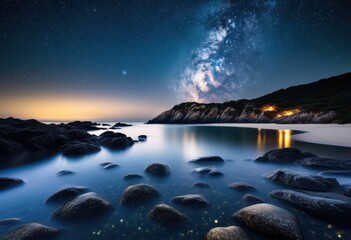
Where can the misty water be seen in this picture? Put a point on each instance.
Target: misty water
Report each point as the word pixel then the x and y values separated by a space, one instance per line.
pixel 174 145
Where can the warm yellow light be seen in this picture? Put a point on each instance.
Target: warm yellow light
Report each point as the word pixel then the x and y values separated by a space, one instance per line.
pixel 284 138
pixel 288 112
pixel 268 108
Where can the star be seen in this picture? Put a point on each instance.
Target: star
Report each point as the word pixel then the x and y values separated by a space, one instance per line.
pixel 124 72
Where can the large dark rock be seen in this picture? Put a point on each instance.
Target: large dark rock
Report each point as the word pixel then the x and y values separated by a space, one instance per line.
pixel 76 134
pixel 31 231
pixel 191 200
pixel 158 169
pixel 67 194
pixel 326 163
pixel 84 208
pixel 47 142
pixel 111 134
pixel 83 125
pixel 207 160
pixel 329 206
pixel 10 148
pixel 305 181
pixel 270 220
pixel 241 186
pixel 283 155
pixel 116 142
pixel 167 216
pixel 6 182
pixel 138 194
pixel 226 233
pixel 79 148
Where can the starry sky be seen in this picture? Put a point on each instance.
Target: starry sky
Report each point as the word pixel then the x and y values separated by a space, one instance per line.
pixel 130 60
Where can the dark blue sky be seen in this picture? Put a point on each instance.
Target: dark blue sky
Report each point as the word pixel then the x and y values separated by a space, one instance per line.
pixel 137 58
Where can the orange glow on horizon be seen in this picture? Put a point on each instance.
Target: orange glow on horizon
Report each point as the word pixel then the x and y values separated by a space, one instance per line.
pixel 268 108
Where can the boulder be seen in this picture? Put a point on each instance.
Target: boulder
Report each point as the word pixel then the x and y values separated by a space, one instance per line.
pixel 208 160
pixel 120 124
pixel 167 216
pixel 132 176
pixel 270 220
pixel 6 182
pixel 116 143
pixel 252 199
pixel 201 185
pixel 226 233
pixel 158 169
pixel 77 134
pixel 284 155
pixel 76 148
pixel 84 208
pixel 9 221
pixel 31 231
pixel 241 186
pixel 301 180
pixel 142 138
pixel 209 170
pixel 47 142
pixel 9 148
pixel 329 206
pixel 111 134
pixel 191 200
pixel 138 194
pixel 67 194
pixel 326 163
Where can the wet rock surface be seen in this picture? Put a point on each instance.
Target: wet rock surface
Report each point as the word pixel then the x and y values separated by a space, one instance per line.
pixel 226 233
pixel 86 207
pixel 65 172
pixel 79 148
pixel 31 231
pixel 333 207
pixel 326 163
pixel 138 194
pixel 167 216
pixel 270 220
pixel 191 200
pixel 208 160
pixel 133 176
pixel 9 221
pixel 7 182
pixel 284 155
pixel 210 170
pixel 201 185
pixel 241 186
pixel 252 199
pixel 158 169
pixel 302 180
pixel 67 194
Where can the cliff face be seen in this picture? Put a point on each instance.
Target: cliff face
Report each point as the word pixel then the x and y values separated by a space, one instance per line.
pixel 324 101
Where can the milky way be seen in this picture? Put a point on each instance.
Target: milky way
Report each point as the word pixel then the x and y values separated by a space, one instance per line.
pixel 228 57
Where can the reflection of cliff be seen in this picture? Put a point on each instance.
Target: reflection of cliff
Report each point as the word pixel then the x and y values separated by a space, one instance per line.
pixel 324 101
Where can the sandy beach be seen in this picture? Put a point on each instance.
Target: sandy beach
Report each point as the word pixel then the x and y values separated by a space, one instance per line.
pixel 329 134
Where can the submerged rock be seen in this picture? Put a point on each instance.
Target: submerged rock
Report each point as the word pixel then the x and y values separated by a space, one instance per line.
pixel 158 169
pixel 191 200
pixel 201 185
pixel 142 138
pixel 6 182
pixel 302 180
pixel 326 163
pixel 167 216
pixel 241 186
pixel 86 207
pixel 283 155
pixel 226 233
pixel 209 159
pixel 270 220
pixel 79 148
pixel 110 166
pixel 252 199
pixel 9 221
pixel 66 194
pixel 65 172
pixel 132 176
pixel 336 172
pixel 329 206
pixel 138 194
pixel 210 170
pixel 31 231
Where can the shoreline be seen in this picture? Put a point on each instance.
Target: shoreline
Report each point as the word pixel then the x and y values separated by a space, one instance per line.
pixel 327 134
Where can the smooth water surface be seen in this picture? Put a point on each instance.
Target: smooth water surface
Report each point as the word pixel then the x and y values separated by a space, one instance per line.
pixel 174 145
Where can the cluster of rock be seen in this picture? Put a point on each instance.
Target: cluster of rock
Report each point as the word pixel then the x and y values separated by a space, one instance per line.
pixel 192 112
pixel 18 137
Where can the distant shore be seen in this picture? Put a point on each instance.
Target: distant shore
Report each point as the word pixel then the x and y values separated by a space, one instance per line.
pixel 329 134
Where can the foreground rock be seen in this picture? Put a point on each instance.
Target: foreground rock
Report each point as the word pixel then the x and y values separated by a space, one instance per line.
pixel 31 231
pixel 167 216
pixel 305 181
pixel 84 208
pixel 226 233
pixel 252 199
pixel 10 148
pixel 328 206
pixel 158 169
pixel 283 155
pixel 326 163
pixel 79 148
pixel 212 171
pixel 138 194
pixel 6 182
pixel 270 220
pixel 191 200
pixel 241 186
pixel 67 194
pixel 208 160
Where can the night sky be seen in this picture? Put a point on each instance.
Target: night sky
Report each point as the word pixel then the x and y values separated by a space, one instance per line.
pixel 131 60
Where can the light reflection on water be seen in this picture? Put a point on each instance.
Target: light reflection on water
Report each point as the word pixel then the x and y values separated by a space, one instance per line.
pixel 173 145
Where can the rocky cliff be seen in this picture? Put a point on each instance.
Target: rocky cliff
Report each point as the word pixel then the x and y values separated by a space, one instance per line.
pixel 324 101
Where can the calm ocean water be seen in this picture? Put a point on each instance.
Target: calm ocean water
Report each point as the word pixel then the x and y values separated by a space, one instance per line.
pixel 174 145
